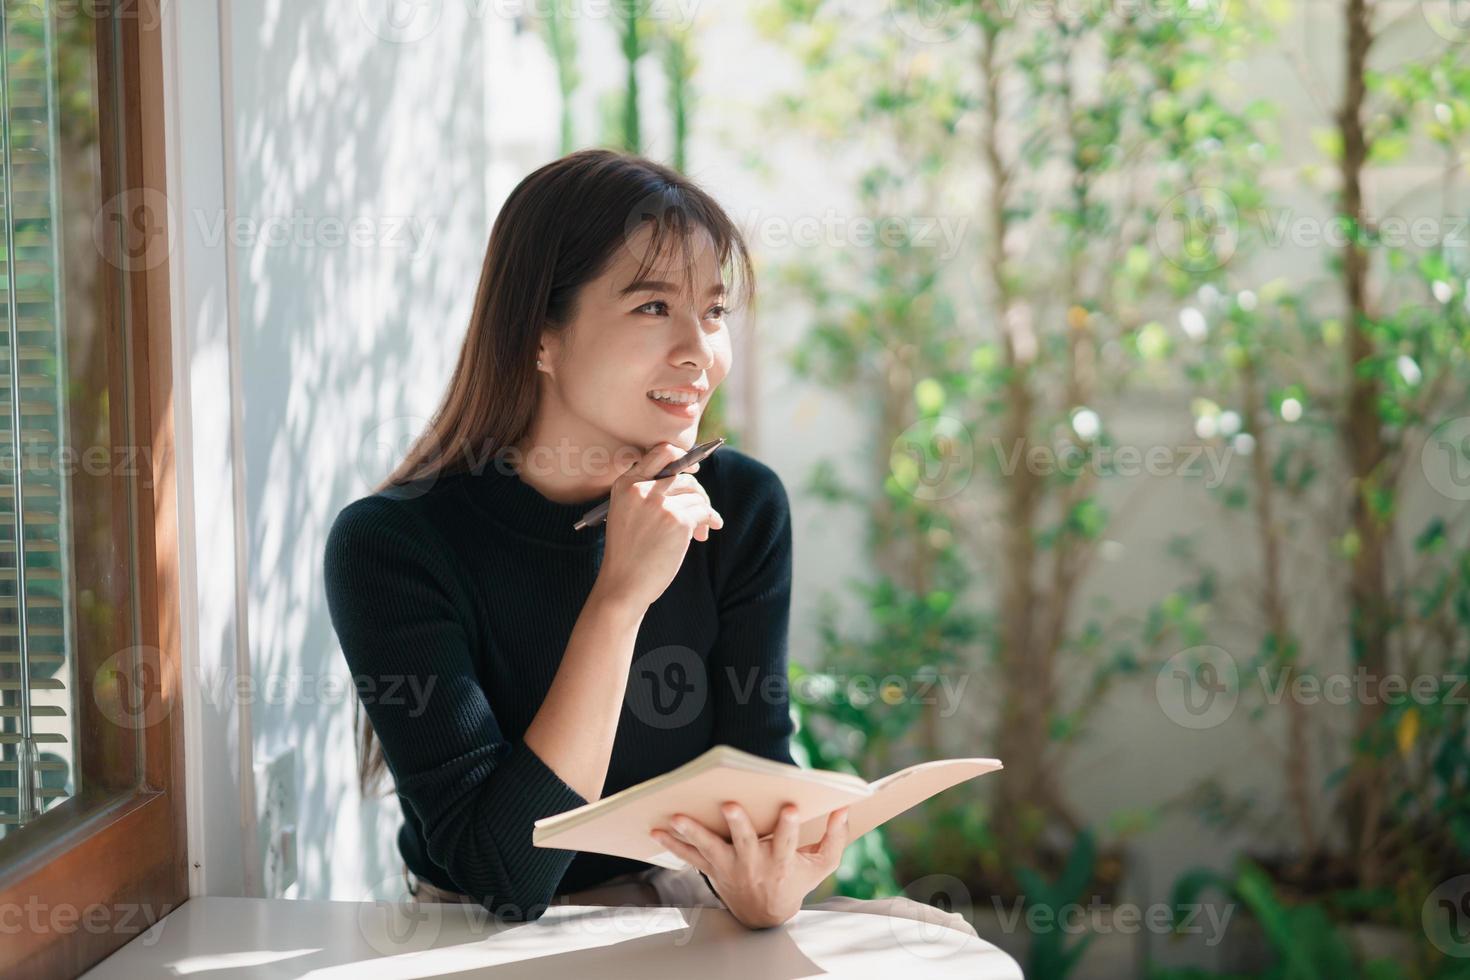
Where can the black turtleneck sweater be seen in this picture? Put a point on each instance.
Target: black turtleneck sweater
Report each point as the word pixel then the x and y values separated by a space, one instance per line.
pixel 454 599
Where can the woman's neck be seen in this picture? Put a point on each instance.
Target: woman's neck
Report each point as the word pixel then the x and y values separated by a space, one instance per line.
pixel 568 469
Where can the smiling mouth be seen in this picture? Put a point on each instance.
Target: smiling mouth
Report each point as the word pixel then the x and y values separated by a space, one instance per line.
pixel 683 409
pixel 678 397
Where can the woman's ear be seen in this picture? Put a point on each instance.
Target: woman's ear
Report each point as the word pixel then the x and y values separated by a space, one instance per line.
pixel 546 351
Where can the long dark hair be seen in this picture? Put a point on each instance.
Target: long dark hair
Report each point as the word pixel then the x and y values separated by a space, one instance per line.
pixel 557 230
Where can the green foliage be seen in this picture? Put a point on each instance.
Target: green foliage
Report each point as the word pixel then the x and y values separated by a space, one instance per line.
pixel 1305 942
pixel 1126 218
pixel 627 132
pixel 976 379
pixel 1053 953
pixel 1276 372
pixel 560 34
pixel 675 48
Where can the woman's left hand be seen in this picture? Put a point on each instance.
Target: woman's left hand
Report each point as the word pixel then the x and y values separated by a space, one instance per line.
pixel 762 883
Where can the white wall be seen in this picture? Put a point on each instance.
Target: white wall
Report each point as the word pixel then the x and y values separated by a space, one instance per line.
pixel 340 115
pixel 292 349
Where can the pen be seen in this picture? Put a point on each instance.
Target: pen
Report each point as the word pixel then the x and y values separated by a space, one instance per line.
pixel 698 454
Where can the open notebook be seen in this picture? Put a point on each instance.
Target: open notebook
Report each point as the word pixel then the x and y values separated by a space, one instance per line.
pixel 619 824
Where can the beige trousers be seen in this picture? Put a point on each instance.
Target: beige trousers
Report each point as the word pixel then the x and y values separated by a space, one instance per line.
pixel 686 889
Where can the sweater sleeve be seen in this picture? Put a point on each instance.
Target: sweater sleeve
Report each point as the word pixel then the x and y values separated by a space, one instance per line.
pixel 401 617
pixel 749 686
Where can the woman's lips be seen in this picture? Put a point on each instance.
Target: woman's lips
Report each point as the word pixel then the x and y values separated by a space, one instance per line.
pixel 689 411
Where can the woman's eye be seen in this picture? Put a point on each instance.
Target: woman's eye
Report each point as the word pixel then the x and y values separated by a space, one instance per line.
pixel 718 311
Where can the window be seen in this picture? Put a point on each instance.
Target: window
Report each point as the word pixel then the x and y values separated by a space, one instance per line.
pixel 91 797
pixel 37 618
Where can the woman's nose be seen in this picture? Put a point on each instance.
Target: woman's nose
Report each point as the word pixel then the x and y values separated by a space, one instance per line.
pixel 696 347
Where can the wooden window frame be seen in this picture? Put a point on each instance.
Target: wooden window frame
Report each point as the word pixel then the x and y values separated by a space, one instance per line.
pixel 130 856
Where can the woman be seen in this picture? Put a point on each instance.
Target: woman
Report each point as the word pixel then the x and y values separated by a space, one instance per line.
pixel 512 667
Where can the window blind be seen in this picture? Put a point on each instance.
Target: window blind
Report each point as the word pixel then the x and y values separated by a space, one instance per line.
pixel 37 713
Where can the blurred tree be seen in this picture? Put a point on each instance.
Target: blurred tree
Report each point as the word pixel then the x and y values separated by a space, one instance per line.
pixel 1391 401
pixel 633 30
pixel 560 34
pixel 1078 122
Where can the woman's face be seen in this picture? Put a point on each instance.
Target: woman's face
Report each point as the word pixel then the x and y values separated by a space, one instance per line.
pixel 631 339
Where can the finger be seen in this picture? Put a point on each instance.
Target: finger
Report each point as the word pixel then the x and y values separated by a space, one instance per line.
pixel 695 501
pixel 834 841
pixel 654 460
pixel 699 523
pixel 694 489
pixel 715 848
pixel 660 456
pixel 742 833
pixel 676 483
pixel 679 483
pixel 694 511
pixel 783 841
pixel 680 849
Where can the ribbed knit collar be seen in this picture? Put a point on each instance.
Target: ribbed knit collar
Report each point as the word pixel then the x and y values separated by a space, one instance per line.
pixel 520 507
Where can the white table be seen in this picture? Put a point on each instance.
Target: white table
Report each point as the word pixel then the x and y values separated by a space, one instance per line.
pixel 239 938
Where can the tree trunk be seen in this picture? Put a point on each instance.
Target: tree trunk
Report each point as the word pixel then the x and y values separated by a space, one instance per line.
pixel 1022 736
pixel 1278 626
pixel 1366 451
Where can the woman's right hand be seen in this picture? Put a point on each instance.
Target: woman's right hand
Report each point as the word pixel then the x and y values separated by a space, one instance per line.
pixel 649 525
